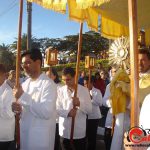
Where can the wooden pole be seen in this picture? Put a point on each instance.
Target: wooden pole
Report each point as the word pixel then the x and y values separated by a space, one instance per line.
pixel 76 78
pixel 132 9
pixel 18 62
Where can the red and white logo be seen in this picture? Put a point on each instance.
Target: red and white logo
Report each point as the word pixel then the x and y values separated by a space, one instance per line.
pixel 138 135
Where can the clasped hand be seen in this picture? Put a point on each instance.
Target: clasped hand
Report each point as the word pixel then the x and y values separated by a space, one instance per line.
pixel 75 101
pixel 17 92
pixel 16 107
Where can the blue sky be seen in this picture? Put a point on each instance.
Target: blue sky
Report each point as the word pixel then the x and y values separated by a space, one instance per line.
pixel 45 23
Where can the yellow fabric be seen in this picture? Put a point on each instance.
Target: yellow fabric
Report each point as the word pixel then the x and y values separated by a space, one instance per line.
pixel 92 19
pixel 144 87
pixel 75 13
pixel 114 14
pixel 90 3
pixel 111 29
pixel 90 15
pixel 118 96
pixel 56 5
pixel 115 19
pixel 117 11
pixel 147 36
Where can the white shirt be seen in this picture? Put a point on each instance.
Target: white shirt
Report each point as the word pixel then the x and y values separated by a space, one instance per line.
pixel 144 120
pixel 38 119
pixel 143 74
pixel 64 105
pixel 144 86
pixel 96 103
pixel 145 111
pixel 106 102
pixel 7 119
pixel 58 87
pixel 10 83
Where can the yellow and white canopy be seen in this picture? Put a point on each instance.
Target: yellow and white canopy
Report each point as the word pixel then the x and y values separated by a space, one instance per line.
pixel 113 13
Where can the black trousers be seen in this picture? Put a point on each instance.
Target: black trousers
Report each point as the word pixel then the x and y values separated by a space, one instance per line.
pixel 107 138
pixel 92 125
pixel 78 144
pixel 57 138
pixel 5 145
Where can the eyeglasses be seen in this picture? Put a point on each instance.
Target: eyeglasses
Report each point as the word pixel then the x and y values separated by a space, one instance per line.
pixel 27 63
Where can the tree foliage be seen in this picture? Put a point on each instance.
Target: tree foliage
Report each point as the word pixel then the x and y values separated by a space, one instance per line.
pixel 4 47
pixel 92 42
pixel 34 42
pixel 6 57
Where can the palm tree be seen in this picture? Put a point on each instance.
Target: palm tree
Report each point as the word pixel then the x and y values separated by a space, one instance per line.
pixel 7 57
pixel 4 47
pixel 34 44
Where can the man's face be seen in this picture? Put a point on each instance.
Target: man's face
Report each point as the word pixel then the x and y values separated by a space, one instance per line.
pixel 113 72
pixel 29 66
pixel 102 74
pixel 144 63
pixel 68 80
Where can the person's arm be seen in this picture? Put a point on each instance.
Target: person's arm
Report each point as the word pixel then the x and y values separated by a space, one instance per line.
pixel 63 106
pixel 97 98
pixel 106 98
pixel 6 110
pixel 85 103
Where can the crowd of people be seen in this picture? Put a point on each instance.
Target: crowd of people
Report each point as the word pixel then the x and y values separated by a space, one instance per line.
pixel 46 105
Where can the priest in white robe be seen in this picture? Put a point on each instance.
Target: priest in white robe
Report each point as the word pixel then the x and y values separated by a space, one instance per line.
pixel 37 105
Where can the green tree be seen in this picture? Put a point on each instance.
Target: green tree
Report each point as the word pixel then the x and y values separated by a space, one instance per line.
pixel 4 47
pixel 6 57
pixel 34 42
pixel 92 43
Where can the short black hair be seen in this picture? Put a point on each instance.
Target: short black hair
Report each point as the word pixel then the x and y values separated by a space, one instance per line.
pixel 2 68
pixel 97 74
pixel 35 54
pixel 69 70
pixel 55 74
pixel 145 51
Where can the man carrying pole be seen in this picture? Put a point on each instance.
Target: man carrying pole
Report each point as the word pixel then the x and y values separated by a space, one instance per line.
pixel 69 106
pixel 36 104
